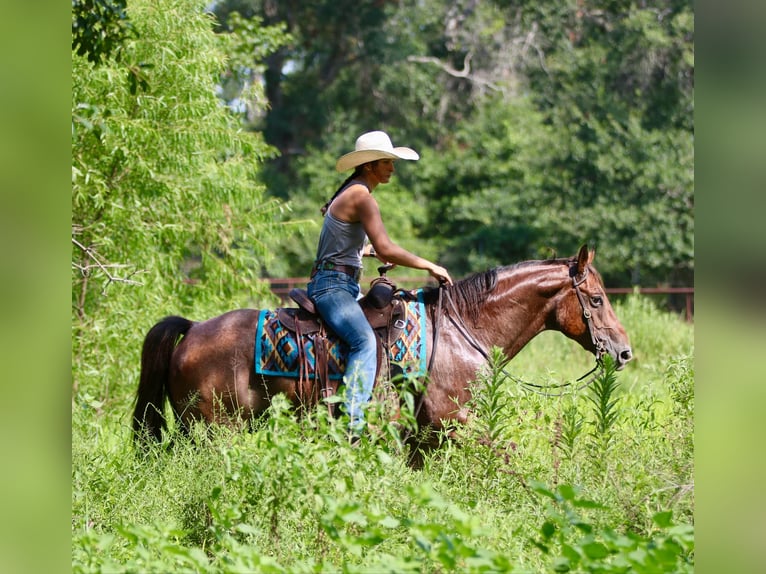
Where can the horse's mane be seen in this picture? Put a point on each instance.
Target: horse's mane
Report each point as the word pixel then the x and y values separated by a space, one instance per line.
pixel 469 294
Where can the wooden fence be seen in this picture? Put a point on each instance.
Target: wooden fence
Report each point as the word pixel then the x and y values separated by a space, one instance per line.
pixel 282 286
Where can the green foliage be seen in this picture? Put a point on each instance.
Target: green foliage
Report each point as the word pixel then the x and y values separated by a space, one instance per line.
pixel 571 427
pixel 663 335
pixel 99 27
pixel 488 400
pixel 287 472
pixel 574 544
pixel 248 43
pixel 488 436
pixel 540 127
pixel 616 88
pixel 497 169
pixel 164 191
pixel 170 215
pixel 294 496
pixel 601 395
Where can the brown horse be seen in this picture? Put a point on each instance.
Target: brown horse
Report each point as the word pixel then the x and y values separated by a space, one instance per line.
pixel 207 371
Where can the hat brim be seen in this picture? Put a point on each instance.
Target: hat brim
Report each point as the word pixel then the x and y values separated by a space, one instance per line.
pixel 356 158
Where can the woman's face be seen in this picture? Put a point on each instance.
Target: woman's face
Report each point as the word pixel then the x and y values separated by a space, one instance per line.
pixel 382 170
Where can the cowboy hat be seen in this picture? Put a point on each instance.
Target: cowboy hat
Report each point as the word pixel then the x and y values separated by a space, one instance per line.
pixel 372 146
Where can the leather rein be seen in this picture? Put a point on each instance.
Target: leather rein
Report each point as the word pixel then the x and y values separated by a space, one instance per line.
pixel 459 324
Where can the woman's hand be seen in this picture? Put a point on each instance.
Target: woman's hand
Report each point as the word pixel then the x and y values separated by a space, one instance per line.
pixel 440 274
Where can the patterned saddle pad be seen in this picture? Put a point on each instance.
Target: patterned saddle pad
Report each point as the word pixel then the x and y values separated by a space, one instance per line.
pixel 276 349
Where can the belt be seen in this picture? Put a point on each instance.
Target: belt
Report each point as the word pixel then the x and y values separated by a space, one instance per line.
pixel 354 272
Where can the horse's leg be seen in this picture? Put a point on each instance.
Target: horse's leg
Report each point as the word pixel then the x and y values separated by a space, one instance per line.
pixel 443 404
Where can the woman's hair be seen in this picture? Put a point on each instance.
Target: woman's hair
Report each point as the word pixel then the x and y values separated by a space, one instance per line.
pixel 357 172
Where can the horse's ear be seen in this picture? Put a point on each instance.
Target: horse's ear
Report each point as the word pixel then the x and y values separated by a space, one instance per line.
pixel 583 258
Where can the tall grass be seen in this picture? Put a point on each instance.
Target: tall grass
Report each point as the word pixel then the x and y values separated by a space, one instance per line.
pixel 596 480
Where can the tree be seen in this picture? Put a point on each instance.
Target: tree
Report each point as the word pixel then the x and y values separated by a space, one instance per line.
pixel 616 87
pixel 600 150
pixel 164 189
pixel 99 27
pixel 572 121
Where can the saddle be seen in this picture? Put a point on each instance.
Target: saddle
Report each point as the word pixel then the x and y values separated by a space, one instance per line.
pixel 385 311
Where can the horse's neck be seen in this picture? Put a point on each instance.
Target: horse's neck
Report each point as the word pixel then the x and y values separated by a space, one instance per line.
pixel 520 306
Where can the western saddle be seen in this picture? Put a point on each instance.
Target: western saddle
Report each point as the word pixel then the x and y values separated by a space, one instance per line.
pixel 385 310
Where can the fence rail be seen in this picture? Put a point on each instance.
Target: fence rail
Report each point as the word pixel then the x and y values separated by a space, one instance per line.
pixel 281 288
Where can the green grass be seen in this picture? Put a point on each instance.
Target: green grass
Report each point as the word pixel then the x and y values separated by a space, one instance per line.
pixel 600 480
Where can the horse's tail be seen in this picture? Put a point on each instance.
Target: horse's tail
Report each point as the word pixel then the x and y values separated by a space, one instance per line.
pixel 159 344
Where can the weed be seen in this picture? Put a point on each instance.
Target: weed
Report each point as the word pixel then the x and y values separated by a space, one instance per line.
pixel 293 496
pixel 574 543
pixel 571 428
pixel 604 410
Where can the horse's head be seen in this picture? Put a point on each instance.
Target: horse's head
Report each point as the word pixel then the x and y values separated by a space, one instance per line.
pixel 586 315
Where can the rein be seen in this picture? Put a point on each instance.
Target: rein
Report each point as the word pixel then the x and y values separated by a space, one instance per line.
pixel 437 324
pixel 461 327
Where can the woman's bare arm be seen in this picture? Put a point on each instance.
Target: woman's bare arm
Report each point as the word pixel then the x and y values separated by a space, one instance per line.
pixel 368 212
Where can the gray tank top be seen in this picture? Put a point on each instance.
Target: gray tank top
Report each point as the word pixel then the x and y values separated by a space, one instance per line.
pixel 341 242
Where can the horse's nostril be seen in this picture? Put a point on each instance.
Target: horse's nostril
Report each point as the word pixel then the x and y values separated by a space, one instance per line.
pixel 626 355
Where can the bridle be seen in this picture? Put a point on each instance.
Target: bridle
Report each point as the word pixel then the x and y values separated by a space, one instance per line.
pixel 461 327
pixel 598 344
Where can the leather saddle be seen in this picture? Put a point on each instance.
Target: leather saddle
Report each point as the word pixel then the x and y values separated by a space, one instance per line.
pixel 385 311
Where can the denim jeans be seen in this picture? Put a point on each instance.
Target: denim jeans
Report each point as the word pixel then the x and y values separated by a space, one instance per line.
pixel 335 296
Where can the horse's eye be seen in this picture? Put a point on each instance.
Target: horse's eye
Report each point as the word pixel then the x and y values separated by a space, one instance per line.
pixel 596 301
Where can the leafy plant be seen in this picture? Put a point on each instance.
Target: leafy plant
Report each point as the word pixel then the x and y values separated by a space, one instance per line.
pixel 601 395
pixel 571 427
pixel 293 496
pixel 574 543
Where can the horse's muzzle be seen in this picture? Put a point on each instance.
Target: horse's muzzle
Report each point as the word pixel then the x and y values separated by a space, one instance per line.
pixel 622 356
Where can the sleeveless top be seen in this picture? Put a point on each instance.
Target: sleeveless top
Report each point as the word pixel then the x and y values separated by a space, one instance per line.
pixel 341 242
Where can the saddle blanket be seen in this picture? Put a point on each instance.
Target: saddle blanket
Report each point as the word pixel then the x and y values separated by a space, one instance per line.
pixel 276 350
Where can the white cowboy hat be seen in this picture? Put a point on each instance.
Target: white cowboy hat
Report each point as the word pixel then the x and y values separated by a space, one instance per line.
pixel 372 146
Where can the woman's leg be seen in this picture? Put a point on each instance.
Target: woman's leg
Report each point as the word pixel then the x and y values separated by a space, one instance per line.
pixel 341 311
pixel 350 324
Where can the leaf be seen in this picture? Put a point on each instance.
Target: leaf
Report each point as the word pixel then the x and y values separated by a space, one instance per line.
pixel 383 457
pixel 389 522
pixel 583 503
pixel 567 492
pixel 548 529
pixel 571 553
pixel 539 488
pixel 561 564
pixel 595 550
pixel 663 519
pixel 246 529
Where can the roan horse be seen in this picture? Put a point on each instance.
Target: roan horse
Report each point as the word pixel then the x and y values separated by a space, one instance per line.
pixel 213 360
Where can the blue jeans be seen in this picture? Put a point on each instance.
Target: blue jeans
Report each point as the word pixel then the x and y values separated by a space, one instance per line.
pixel 335 296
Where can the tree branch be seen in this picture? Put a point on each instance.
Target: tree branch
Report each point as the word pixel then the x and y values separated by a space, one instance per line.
pixel 464 73
pixel 86 268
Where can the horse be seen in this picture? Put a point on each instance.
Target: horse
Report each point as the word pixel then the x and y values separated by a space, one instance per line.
pixel 207 369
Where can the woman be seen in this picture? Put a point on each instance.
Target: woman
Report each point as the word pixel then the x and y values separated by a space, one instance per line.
pixel 351 216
